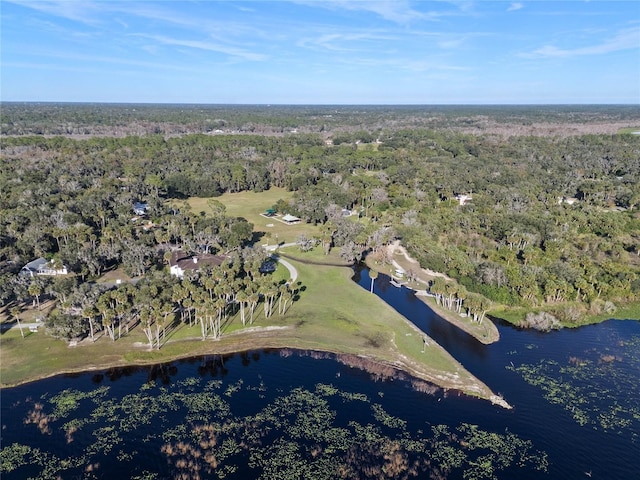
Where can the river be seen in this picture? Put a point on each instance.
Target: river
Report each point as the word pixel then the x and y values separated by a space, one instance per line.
pixel 282 414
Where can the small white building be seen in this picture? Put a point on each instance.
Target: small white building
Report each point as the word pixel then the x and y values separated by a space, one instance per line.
pixel 567 200
pixel 290 219
pixel 463 199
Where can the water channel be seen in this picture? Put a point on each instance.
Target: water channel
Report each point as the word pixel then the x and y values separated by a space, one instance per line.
pixel 274 414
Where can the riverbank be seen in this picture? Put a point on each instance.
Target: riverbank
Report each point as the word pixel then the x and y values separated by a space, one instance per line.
pixel 516 316
pixel 485 332
pixel 332 315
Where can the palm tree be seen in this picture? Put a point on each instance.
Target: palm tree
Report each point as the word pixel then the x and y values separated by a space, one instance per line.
pixel 254 298
pixel 288 299
pixel 89 312
pixel 35 289
pixel 107 323
pixel 270 292
pixel 461 295
pixel 178 294
pixel 104 307
pixel 243 299
pixel 282 290
pixel 438 289
pixel 451 290
pixel 220 305
pixel 15 312
pixel 157 305
pixel 167 311
pixel 146 319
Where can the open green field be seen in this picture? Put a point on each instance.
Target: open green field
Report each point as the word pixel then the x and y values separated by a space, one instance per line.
pixel 250 205
pixel 333 314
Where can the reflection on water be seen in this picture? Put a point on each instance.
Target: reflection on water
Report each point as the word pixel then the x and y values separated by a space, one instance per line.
pixel 175 424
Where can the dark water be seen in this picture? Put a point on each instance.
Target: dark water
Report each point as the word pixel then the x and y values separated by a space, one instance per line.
pixel 575 392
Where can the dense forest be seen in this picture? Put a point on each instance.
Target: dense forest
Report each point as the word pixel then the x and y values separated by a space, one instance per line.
pixel 543 221
pixel 85 120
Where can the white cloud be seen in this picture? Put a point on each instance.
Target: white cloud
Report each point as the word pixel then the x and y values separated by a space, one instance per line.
pixel 628 39
pixel 397 11
pixel 83 12
pixel 345 42
pixel 209 46
pixel 515 6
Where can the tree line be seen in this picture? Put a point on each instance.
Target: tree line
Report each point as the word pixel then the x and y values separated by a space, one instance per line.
pixel 552 221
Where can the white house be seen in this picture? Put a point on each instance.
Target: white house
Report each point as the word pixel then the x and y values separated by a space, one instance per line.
pixel 40 266
pixel 181 262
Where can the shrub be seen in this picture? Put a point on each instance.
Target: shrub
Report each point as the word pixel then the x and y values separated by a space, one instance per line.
pixel 66 327
pixel 542 321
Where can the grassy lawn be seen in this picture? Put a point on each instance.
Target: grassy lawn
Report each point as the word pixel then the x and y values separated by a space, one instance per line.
pixel 368 146
pixel 333 314
pixel 113 276
pixel 250 205
pixel 316 255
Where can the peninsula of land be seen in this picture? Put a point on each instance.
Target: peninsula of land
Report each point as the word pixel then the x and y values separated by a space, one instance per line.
pixel 157 244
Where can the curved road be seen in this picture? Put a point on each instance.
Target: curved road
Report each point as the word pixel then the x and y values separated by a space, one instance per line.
pixel 293 272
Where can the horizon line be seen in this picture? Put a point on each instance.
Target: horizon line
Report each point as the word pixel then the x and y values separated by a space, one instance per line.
pixel 276 104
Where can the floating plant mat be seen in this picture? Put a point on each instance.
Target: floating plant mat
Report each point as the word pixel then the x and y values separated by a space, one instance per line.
pixel 189 430
pixel 598 387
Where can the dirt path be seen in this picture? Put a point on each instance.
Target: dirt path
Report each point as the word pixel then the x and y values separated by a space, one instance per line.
pixel 395 247
pixel 486 332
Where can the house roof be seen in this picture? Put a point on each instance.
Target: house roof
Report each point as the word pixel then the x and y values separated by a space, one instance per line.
pixel 195 262
pixel 140 208
pixel 41 266
pixel 35 265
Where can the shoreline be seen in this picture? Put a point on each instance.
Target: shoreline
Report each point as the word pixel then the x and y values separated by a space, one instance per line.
pixel 353 322
pixel 282 334
pixel 485 332
pixel 401 364
pixel 367 363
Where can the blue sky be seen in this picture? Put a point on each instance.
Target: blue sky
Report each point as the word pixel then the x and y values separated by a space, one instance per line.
pixel 321 52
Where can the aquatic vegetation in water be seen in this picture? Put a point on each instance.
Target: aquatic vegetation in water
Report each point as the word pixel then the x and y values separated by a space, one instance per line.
pixel 588 386
pixel 193 430
pixel 68 400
